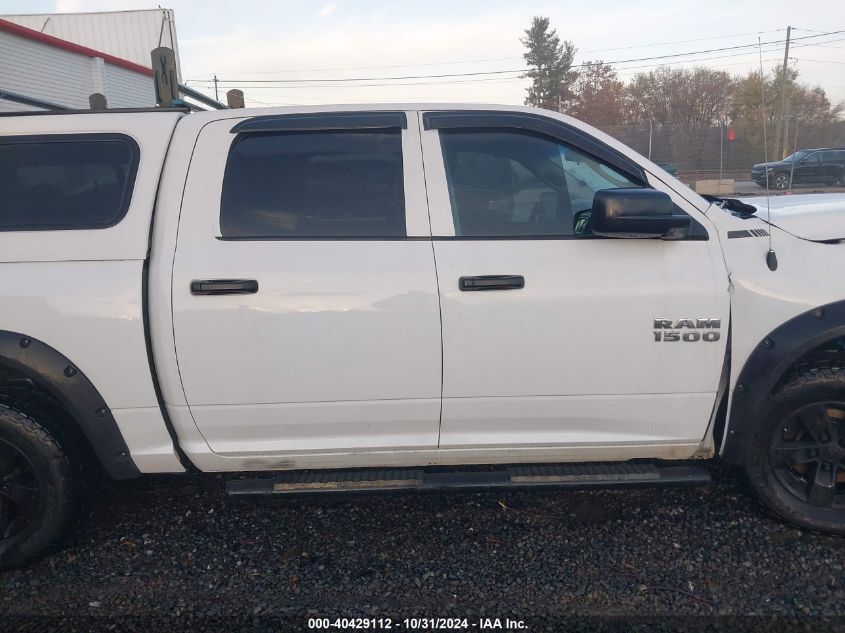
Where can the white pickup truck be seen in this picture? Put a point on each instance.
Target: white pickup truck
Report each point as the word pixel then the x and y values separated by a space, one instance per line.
pixel 401 297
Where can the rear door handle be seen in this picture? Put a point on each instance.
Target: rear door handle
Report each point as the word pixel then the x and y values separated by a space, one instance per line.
pixel 224 287
pixel 492 282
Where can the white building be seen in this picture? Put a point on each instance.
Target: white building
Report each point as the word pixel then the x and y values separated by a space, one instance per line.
pixel 61 59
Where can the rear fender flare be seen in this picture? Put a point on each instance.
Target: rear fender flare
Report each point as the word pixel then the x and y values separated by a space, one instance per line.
pixel 56 374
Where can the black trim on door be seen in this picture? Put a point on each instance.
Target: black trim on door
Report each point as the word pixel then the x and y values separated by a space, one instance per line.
pixel 536 123
pixel 224 287
pixel 438 238
pixel 322 238
pixel 322 121
pixel 491 282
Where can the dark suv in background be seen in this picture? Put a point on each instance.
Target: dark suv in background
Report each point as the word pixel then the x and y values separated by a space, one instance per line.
pixel 822 166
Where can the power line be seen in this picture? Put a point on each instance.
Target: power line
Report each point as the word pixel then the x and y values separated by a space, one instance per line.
pixel 322 70
pixel 502 59
pixel 420 83
pixel 462 81
pixel 698 39
pixel 820 61
pixel 294 84
pixel 819 44
pixel 501 72
pixel 516 79
pixel 622 72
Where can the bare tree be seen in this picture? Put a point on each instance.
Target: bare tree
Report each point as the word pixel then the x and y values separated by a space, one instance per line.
pixel 817 117
pixel 598 95
pixel 694 98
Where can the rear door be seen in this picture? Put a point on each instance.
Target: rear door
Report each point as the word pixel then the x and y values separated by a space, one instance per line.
pixel 831 165
pixel 808 169
pixel 305 304
pixel 553 336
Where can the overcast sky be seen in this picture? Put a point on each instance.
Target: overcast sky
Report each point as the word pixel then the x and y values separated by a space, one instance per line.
pixel 263 39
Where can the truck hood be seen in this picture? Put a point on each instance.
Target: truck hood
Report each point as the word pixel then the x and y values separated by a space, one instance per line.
pixel 817 217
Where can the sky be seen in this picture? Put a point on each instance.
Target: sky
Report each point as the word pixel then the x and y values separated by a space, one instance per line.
pixel 379 40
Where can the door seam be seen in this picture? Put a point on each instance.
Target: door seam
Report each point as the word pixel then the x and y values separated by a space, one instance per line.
pixel 436 274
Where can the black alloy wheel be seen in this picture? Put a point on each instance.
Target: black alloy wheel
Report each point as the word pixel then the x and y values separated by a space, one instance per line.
pixel 807 454
pixel 40 488
pixel 19 492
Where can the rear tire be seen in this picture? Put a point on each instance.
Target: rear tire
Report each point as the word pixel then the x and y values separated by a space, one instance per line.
pixel 796 464
pixel 38 489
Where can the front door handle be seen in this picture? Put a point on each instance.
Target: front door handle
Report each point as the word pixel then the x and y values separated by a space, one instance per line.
pixel 492 282
pixel 224 287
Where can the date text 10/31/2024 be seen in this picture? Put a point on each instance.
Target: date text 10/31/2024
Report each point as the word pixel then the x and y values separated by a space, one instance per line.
pixel 417 624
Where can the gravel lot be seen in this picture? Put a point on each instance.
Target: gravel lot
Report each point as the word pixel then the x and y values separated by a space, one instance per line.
pixel 177 552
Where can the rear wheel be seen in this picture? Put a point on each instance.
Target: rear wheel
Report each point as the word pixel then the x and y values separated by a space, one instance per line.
pixel 37 488
pixel 797 461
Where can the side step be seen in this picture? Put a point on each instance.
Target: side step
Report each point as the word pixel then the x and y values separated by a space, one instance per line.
pixel 614 475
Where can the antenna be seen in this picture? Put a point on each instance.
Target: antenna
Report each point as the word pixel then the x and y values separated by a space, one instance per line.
pixel 771 257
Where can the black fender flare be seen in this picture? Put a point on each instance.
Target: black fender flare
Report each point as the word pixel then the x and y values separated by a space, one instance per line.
pixel 56 374
pixel 768 363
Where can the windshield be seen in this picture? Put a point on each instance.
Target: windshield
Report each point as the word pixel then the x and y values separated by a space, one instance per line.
pixel 797 155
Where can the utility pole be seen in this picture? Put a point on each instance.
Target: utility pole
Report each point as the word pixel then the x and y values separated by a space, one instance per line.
pixel 784 114
pixel 794 149
pixel 650 134
pixel 721 158
pixel 217 96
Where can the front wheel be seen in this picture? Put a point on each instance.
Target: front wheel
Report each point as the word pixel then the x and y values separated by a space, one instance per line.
pixel 780 181
pixel 37 488
pixel 796 464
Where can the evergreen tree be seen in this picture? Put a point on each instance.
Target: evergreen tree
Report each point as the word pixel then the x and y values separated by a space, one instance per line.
pixel 551 66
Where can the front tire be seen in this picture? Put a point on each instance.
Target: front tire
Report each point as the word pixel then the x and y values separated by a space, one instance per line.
pixel 38 490
pixel 796 464
pixel 780 181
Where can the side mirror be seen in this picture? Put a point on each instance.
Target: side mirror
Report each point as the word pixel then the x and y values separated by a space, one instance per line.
pixel 636 213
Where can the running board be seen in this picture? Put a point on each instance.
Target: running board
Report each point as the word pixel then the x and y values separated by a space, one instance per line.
pixel 512 477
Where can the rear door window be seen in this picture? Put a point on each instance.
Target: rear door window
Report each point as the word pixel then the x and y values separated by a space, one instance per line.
pixel 315 184
pixel 66 181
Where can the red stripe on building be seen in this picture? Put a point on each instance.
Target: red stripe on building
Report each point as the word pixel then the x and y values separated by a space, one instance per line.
pixel 49 40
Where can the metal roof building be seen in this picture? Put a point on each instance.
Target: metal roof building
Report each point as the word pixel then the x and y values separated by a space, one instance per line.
pixel 107 53
pixel 129 35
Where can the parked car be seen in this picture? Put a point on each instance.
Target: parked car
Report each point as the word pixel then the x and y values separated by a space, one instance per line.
pixel 380 299
pixel 820 166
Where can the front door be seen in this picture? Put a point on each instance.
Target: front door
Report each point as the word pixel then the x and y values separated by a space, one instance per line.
pixel 553 336
pixel 305 306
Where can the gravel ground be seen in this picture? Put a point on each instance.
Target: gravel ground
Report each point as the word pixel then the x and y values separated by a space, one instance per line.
pixel 176 552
